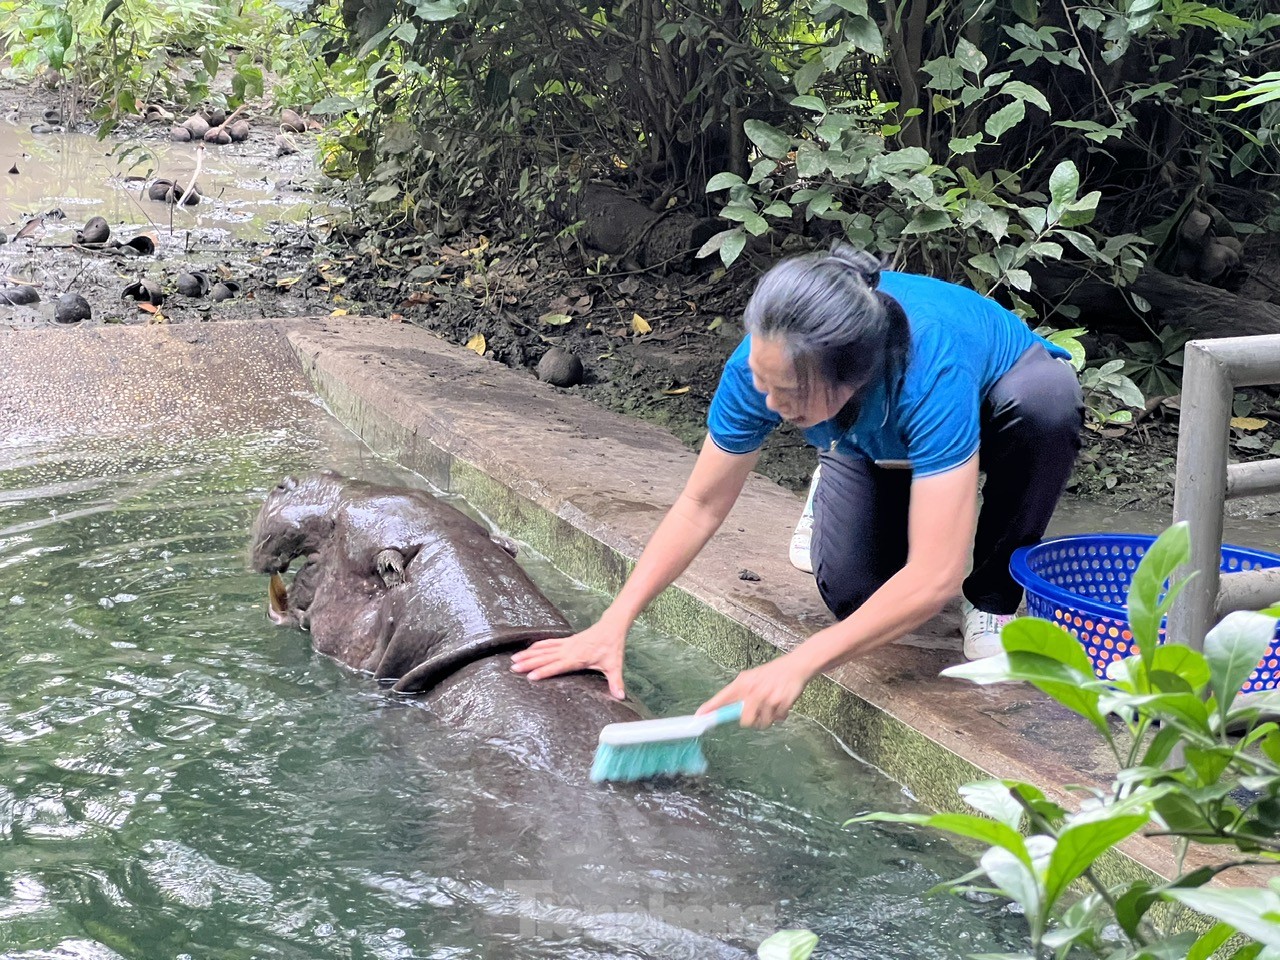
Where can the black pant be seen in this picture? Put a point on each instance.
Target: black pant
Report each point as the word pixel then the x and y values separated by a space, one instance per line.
pixel 1030 435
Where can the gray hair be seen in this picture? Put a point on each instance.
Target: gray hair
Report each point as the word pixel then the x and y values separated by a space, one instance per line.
pixel 832 321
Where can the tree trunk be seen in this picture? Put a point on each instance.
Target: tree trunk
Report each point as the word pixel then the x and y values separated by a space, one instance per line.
pixel 621 226
pixel 1178 302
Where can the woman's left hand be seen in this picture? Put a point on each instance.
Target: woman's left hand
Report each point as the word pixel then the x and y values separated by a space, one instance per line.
pixel 767 692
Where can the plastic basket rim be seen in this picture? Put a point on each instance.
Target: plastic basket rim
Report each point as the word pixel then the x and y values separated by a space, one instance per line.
pixel 1034 583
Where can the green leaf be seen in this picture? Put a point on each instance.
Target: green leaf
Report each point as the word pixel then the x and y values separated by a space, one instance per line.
pixel 927 221
pixel 1005 118
pixel 385 193
pixel 111 7
pixel 771 141
pixel 788 945
pixel 990 832
pixel 1208 943
pixel 906 160
pixel 1064 183
pixel 1253 912
pixel 808 74
pixel 1080 845
pixel 963 145
pixel 1014 879
pixel 1181 661
pixel 1033 635
pixel 714 244
pixel 723 181
pixel 816 104
pixel 970 57
pixel 732 246
pixel 996 800
pixel 1170 550
pixel 1025 91
pixel 435 10
pixel 1233 649
pixel 810 160
pixel 864 33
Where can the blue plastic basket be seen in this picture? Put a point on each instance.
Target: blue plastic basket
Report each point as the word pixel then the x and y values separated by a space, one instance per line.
pixel 1082 582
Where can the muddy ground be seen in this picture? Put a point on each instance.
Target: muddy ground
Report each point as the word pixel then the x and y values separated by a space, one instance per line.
pixel 652 345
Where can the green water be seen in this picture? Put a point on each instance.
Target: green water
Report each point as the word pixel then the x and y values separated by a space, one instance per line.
pixel 181 779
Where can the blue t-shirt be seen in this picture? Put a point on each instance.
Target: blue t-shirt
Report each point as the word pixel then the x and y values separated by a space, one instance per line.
pixel 961 344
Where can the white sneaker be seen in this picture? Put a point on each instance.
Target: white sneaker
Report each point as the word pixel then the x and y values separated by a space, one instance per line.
pixel 982 630
pixel 803 536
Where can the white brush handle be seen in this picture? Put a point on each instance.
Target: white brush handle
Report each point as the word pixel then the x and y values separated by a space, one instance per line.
pixel 668 728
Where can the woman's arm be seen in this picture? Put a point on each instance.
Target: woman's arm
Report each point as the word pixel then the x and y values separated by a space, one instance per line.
pixel 707 497
pixel 940 531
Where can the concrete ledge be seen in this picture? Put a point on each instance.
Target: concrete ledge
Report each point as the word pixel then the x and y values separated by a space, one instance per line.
pixel 587 488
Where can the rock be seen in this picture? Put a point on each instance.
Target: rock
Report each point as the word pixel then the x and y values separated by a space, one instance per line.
pixel 4 237
pixel 217 135
pixel 14 169
pixel 145 290
pixel 21 296
pixel 224 290
pixel 95 231
pixel 155 114
pixel 170 192
pixel 215 116
pixel 285 146
pixel 144 244
pixel 197 125
pixel 292 122
pixel 239 131
pixel 46 128
pixel 53 115
pixel 560 368
pixel 179 134
pixel 71 308
pixel 193 284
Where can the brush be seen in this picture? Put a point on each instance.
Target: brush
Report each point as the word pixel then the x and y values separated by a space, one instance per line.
pixel 654 748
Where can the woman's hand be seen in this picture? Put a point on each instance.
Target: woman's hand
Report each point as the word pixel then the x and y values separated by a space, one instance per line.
pixel 599 647
pixel 767 692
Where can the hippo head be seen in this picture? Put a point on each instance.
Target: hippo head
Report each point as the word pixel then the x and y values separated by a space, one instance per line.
pixel 297 517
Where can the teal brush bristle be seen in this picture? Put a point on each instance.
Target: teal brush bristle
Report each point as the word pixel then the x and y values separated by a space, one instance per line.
pixel 655 748
pixel 644 760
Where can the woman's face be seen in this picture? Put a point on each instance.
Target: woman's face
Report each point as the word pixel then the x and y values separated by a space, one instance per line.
pixel 774 375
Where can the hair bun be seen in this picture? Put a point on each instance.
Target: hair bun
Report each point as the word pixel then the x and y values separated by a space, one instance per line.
pixel 867 266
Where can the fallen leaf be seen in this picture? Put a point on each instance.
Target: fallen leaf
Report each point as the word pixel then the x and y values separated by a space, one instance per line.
pixel 340 312
pixel 419 298
pixel 676 391
pixel 639 324
pixel 477 344
pixel 1248 423
pixel 555 319
pixel 715 323
pixel 148 307
pixel 284 283
pixel 396 318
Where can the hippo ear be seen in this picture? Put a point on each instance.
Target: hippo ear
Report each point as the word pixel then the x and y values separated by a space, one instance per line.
pixel 405 650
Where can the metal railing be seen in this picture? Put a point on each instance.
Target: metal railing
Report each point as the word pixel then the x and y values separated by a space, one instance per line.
pixel 1212 370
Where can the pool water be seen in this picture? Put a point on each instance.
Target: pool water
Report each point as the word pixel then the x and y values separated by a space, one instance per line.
pixel 179 778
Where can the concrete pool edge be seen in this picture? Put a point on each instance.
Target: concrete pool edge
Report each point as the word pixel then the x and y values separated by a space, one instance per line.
pixel 469 425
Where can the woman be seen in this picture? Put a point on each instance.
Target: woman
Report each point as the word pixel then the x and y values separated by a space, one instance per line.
pixel 908 386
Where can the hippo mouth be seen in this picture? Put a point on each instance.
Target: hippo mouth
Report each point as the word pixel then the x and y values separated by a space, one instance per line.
pixel 277 599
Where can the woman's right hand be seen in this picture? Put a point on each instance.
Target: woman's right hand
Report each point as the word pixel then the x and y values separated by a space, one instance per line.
pixel 599 647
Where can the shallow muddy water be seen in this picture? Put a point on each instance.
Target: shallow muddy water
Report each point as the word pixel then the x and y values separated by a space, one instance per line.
pixel 257 224
pixel 245 195
pixel 179 778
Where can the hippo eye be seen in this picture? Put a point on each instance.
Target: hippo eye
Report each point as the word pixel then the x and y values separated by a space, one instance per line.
pixel 288 483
